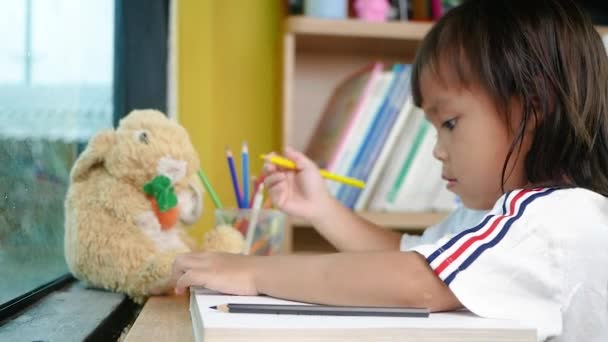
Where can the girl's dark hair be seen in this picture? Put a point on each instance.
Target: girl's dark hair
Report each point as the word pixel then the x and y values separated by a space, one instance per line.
pixel 546 54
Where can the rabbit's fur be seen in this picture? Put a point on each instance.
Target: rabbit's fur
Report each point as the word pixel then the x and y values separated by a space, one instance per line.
pixel 113 239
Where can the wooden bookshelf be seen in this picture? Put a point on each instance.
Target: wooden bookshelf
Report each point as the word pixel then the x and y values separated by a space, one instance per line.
pixel 317 55
pixel 356 28
pixel 308 240
pixel 412 222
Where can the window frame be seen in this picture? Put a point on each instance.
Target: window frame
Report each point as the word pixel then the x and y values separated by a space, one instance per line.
pixel 135 85
pixel 18 304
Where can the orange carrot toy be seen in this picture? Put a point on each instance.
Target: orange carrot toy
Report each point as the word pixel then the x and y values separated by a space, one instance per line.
pixel 164 202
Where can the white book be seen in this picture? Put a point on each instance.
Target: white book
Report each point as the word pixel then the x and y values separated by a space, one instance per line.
pixel 355 137
pixel 398 157
pixel 213 325
pixel 385 153
pixel 417 191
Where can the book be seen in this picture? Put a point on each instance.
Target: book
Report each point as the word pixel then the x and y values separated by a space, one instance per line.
pixel 210 324
pixel 340 114
pixel 421 10
pixel 376 135
pixel 404 151
pixel 411 179
pixel 385 153
pixel 354 142
pixel 400 10
pixel 415 186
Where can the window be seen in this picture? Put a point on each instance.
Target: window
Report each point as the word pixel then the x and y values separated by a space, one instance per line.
pixel 56 86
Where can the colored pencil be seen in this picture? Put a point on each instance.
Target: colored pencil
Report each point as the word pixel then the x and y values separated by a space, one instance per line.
pixel 209 188
pixel 323 310
pixel 259 245
pixel 245 173
pixel 256 185
pixel 255 211
pixel 235 180
pixel 289 164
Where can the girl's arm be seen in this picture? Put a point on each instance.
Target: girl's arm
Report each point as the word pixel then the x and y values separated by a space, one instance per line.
pixel 374 279
pixel 367 279
pixel 349 232
pixel 303 193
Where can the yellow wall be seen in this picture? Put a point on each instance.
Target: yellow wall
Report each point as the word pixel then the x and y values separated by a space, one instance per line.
pixel 229 85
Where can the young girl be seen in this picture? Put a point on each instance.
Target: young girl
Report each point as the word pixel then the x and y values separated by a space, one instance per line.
pixel 517 91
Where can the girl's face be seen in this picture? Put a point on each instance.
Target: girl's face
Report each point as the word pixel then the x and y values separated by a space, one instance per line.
pixel 473 140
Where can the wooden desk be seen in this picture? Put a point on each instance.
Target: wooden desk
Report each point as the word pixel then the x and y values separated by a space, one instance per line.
pixel 168 319
pixel 163 319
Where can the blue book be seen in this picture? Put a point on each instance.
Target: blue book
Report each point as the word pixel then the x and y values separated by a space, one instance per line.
pixel 370 134
pixel 378 133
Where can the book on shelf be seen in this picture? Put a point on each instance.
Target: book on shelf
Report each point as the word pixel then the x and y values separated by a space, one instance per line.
pixel 407 141
pixel 377 133
pixel 387 150
pixel 421 10
pixel 354 142
pixel 371 130
pixel 414 188
pixel 425 10
pixel 336 124
pixel 413 181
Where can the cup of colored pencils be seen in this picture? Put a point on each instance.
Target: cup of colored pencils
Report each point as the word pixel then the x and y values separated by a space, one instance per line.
pixel 263 229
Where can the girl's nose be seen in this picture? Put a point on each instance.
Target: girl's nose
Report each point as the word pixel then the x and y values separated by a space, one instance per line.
pixel 439 152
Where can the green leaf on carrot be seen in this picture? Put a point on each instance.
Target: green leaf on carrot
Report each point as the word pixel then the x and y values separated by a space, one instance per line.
pixel 161 189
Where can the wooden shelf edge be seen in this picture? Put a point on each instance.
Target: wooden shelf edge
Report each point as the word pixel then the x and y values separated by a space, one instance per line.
pixel 410 221
pixel 357 28
pixel 361 28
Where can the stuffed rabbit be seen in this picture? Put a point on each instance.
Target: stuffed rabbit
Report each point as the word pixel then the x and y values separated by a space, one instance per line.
pixel 115 236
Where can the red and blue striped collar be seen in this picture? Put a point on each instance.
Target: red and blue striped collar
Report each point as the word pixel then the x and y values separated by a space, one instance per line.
pixel 463 249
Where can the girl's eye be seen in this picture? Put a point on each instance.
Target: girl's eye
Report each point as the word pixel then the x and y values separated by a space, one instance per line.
pixel 449 124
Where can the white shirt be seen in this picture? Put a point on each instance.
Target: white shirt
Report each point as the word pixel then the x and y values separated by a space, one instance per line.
pixel 460 219
pixel 540 256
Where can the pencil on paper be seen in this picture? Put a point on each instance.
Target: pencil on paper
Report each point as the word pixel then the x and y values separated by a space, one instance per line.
pixel 209 188
pixel 255 211
pixel 289 164
pixel 245 173
pixel 235 180
pixel 323 310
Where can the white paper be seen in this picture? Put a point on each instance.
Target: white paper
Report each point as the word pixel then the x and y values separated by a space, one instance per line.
pixel 214 319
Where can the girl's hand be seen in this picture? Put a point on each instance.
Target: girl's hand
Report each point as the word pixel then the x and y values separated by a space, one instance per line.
pixel 300 192
pixel 223 272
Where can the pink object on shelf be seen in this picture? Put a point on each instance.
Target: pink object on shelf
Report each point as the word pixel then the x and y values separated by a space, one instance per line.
pixel 372 10
pixel 436 9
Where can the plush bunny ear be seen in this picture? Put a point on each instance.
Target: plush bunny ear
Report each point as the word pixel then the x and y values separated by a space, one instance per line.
pixel 93 155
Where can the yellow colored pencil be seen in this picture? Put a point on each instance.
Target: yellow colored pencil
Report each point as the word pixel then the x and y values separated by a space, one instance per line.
pixel 289 164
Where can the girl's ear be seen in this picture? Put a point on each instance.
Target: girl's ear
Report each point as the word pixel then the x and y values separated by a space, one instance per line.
pixel 94 155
